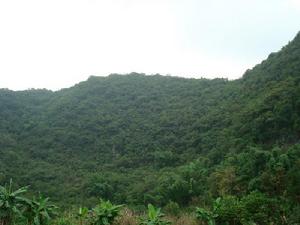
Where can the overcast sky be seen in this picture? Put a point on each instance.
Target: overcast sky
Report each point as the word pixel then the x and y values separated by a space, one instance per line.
pixel 56 43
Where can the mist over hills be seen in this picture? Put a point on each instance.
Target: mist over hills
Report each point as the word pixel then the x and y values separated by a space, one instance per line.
pixel 138 139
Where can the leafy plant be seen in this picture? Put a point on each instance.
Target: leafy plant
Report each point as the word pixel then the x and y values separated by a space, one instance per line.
pixel 82 214
pixel 261 209
pixel 254 208
pixel 227 210
pixel 105 213
pixel 205 216
pixel 172 208
pixel 39 211
pixel 10 203
pixel 154 217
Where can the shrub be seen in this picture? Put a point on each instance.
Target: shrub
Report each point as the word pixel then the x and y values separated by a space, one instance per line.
pixel 205 216
pixel 104 213
pixel 255 208
pixel 227 210
pixel 260 209
pixel 172 208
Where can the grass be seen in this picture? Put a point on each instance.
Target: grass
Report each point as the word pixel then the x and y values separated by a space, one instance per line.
pixel 129 217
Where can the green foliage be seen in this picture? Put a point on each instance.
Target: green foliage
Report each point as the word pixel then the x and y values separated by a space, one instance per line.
pixel 11 202
pixel 172 208
pixel 260 209
pixel 205 216
pixel 82 215
pixel 227 210
pixel 63 221
pixel 39 211
pixel 140 139
pixel 254 208
pixel 104 213
pixel 154 217
pixel 294 216
pixel 15 208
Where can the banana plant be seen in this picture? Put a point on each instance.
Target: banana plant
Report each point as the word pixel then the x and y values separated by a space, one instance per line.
pixel 82 214
pixel 209 216
pixel 105 213
pixel 39 211
pixel 205 216
pixel 154 217
pixel 11 203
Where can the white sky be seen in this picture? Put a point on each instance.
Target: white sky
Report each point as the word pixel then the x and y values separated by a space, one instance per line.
pixel 56 43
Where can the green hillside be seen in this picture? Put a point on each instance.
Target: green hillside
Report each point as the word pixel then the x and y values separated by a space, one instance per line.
pixel 139 139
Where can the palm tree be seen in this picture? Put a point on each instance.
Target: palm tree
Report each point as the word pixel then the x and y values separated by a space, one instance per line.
pixel 10 203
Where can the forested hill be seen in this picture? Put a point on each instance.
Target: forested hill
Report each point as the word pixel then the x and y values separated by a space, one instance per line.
pixel 137 139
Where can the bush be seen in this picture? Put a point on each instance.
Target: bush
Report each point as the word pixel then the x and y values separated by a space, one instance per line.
pixel 260 209
pixel 255 208
pixel 227 210
pixel 105 213
pixel 172 208
pixel 205 216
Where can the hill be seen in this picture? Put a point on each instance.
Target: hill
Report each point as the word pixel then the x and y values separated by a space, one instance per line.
pixel 137 139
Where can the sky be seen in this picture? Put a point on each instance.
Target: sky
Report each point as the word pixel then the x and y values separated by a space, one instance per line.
pixel 56 44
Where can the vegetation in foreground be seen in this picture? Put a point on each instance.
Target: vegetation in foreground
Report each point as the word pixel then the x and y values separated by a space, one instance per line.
pixel 255 208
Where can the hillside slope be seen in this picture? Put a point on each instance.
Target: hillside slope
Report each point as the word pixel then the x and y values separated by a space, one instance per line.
pixel 137 139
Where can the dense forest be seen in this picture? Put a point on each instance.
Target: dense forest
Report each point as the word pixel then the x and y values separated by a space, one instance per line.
pixel 137 139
